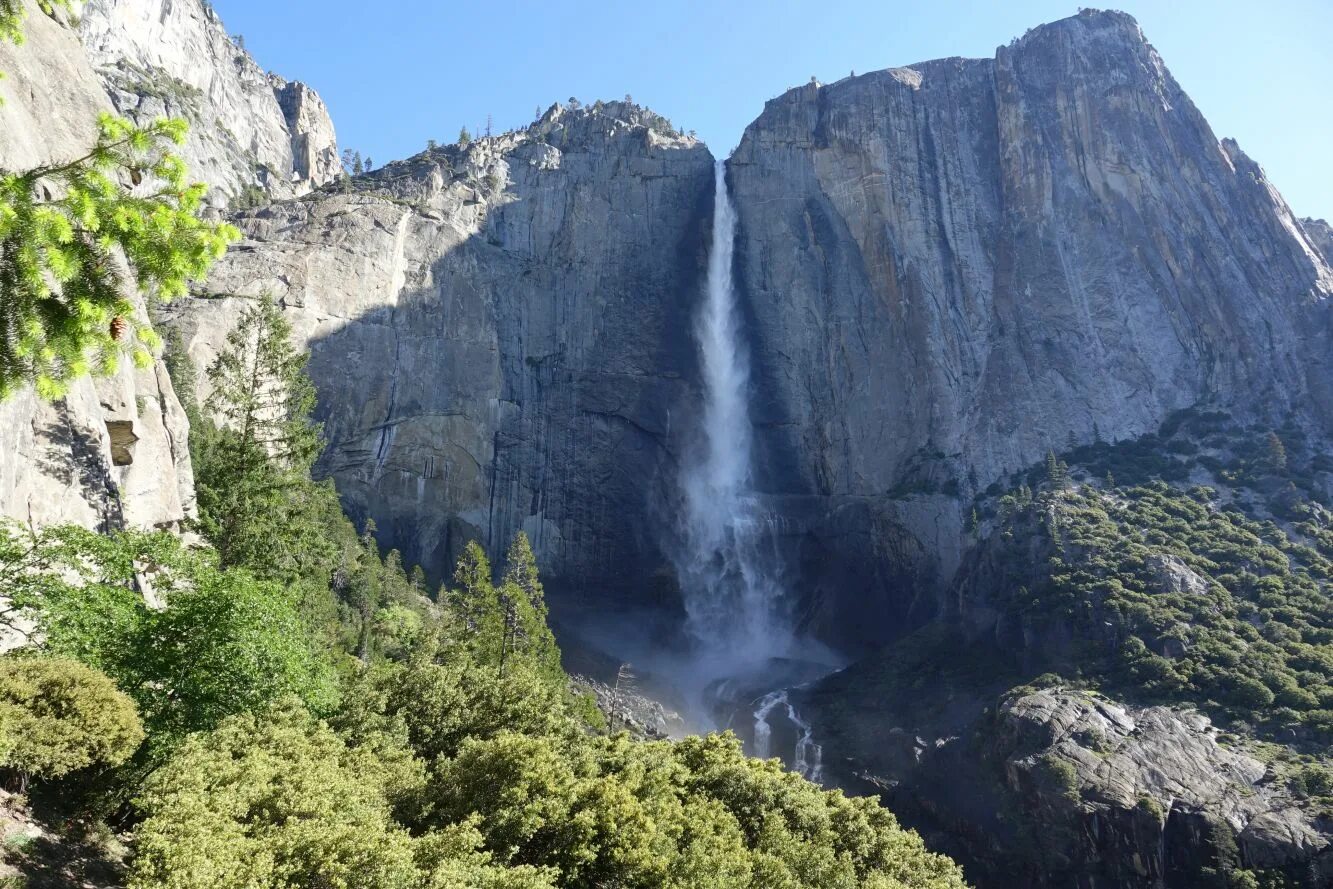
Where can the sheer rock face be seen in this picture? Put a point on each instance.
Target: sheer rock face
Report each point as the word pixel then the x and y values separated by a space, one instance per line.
pixel 952 268
pixel 500 336
pixel 314 144
pixel 113 452
pixel 174 58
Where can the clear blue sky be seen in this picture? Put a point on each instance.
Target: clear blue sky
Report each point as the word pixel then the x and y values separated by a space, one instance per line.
pixel 398 73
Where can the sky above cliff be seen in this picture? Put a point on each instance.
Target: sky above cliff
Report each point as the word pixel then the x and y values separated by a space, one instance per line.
pixel 395 75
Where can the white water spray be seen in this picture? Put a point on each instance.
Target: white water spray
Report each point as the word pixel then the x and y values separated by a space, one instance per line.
pixel 808 758
pixel 730 568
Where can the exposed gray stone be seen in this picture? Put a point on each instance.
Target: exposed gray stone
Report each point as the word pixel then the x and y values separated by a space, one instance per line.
pixel 57 462
pixel 500 337
pixel 952 268
pixel 175 58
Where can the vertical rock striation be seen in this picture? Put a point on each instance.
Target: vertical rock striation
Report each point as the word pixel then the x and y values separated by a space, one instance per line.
pixel 500 336
pixel 955 267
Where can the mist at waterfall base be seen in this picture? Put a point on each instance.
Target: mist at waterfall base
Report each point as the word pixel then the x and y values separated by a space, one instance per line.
pixel 741 651
pixel 737 662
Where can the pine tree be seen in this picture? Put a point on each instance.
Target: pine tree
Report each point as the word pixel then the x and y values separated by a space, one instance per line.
pixel 260 450
pixel 370 165
pixel 522 584
pixel 1275 453
pixel 473 599
pixel 366 590
pixel 65 311
pixel 464 137
pixel 1057 471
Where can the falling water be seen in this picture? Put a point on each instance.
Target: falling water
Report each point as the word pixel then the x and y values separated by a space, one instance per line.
pixel 808 757
pixel 730 567
pixel 729 570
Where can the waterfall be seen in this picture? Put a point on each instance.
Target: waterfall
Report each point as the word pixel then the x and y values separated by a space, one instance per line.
pixel 808 757
pixel 729 565
pixel 729 569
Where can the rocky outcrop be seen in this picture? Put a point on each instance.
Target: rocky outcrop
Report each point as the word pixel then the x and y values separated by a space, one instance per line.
pixel 1148 797
pixel 1320 235
pixel 314 144
pixel 500 336
pixel 950 269
pixel 113 452
pixel 174 58
pixel 1057 787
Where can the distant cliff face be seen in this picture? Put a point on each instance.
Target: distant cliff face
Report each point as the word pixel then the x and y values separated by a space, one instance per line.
pixel 248 129
pixel 955 267
pixel 499 336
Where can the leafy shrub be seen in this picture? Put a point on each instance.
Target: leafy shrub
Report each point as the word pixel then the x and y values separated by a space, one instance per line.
pixel 58 716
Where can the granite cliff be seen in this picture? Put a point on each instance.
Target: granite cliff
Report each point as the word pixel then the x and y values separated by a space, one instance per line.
pixel 251 130
pixel 945 271
pixel 500 333
pixel 113 453
pixel 952 268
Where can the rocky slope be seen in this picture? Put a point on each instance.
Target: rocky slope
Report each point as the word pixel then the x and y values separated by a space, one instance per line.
pixel 1205 708
pixel 954 267
pixel 500 333
pixel 250 129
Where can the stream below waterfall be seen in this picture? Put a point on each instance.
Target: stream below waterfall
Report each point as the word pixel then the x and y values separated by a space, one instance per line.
pixel 745 653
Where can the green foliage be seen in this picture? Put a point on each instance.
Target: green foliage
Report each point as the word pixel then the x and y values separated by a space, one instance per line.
pixel 1180 595
pixel 263 444
pixel 58 716
pixel 65 305
pixel 508 810
pixel 441 770
pixel 222 642
pixel 269 800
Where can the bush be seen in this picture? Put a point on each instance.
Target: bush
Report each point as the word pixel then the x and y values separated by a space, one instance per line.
pixel 58 716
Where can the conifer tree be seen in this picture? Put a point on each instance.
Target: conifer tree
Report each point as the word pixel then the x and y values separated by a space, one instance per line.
pixel 464 137
pixel 1275 452
pixel 1057 471
pixel 66 312
pixel 366 588
pixel 473 599
pixel 261 450
pixel 531 636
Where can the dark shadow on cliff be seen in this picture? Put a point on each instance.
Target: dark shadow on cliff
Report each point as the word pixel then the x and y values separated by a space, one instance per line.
pixel 512 391
pixel 74 458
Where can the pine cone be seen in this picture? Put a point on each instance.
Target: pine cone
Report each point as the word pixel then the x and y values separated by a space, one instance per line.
pixel 119 327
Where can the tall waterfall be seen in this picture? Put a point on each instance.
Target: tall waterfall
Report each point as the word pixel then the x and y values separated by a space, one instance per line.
pixel 729 569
